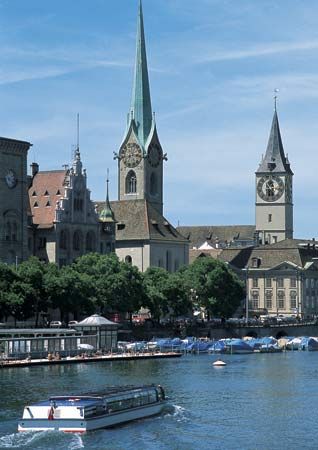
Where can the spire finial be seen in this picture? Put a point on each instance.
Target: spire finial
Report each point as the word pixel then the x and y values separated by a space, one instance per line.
pixel 77 143
pixel 141 101
pixel 275 98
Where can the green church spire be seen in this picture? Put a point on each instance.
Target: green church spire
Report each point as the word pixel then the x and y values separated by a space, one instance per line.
pixel 141 102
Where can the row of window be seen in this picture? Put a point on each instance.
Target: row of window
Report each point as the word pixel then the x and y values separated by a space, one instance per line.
pixel 131 183
pixel 77 241
pixel 46 193
pixel 168 262
pixel 280 282
pixel 280 300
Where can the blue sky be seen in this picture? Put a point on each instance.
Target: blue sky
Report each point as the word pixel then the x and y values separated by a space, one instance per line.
pixel 214 65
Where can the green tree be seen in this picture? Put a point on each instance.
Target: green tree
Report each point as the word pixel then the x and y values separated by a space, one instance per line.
pixel 216 287
pixel 10 301
pixel 155 281
pixel 31 288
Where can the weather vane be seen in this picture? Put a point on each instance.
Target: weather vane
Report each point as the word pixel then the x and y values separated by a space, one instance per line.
pixel 275 97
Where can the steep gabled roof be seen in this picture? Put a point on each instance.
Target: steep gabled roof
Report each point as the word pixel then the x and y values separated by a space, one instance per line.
pixel 46 186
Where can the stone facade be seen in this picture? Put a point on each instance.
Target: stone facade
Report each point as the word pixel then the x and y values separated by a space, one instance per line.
pixel 13 200
pixel 65 224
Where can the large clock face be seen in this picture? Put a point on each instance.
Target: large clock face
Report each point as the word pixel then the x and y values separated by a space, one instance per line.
pixel 270 188
pixel 11 179
pixel 154 155
pixel 131 154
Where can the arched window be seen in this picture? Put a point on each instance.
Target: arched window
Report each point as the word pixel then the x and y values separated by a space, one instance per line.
pixel 153 184
pixel 293 299
pixel 128 259
pixel 8 231
pixel 14 235
pixel 63 240
pixel 131 183
pixel 90 241
pixel 77 241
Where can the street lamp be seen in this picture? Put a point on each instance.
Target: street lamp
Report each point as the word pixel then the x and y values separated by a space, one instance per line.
pixel 246 294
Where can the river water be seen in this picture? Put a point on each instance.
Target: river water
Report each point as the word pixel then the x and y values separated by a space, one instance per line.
pixel 256 402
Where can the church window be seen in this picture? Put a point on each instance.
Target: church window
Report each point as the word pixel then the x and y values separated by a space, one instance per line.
pixel 8 231
pixel 14 234
pixel 131 183
pixel 90 241
pixel 280 299
pixel 153 184
pixel 128 259
pixel 36 205
pixel 268 300
pixel 269 217
pixel 293 299
pixel 77 241
pixel 63 240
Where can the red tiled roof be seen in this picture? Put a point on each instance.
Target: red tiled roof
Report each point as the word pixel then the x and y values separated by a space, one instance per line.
pixel 49 183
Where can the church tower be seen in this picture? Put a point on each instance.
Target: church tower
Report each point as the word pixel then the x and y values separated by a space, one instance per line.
pixel 140 158
pixel 274 194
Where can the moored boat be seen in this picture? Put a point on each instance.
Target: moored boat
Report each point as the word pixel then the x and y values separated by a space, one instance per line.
pixel 78 414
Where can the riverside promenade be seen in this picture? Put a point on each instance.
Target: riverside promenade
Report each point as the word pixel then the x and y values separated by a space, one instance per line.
pixel 6 363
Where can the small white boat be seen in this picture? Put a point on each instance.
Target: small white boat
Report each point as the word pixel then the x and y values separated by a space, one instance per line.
pixel 219 363
pixel 78 414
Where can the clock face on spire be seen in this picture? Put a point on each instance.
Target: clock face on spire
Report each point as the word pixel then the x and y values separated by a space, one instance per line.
pixel 154 154
pixel 270 188
pixel 131 154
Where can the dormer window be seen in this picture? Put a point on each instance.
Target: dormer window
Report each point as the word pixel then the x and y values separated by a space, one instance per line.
pixel 36 205
pixel 48 203
pixel 256 262
pixel 33 194
pixel 58 192
pixel 46 193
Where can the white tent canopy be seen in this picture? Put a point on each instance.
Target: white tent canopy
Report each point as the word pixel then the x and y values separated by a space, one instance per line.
pixel 95 321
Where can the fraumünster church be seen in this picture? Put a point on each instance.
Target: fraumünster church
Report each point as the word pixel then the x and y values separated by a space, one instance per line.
pixel 50 214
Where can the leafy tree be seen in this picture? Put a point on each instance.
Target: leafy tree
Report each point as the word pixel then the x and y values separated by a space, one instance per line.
pixel 69 291
pixel 155 282
pixel 8 300
pixel 31 288
pixel 217 288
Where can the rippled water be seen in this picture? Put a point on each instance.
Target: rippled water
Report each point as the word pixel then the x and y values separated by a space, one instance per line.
pixel 256 402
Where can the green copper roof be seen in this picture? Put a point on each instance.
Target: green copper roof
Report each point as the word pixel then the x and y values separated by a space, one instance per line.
pixel 275 159
pixel 107 215
pixel 141 102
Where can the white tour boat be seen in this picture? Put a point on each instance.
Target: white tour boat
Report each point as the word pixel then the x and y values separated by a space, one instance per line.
pixel 78 414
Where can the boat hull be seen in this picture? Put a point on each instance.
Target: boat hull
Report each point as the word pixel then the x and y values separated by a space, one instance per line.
pixel 95 423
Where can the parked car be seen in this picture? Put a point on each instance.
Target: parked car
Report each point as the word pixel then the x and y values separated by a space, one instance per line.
pixel 55 324
pixel 72 323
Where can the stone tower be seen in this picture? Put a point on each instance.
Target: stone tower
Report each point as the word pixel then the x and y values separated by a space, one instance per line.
pixel 274 193
pixel 140 158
